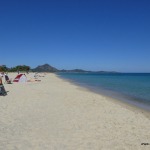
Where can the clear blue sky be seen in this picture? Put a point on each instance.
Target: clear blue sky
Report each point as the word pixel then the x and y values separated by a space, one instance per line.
pixel 69 34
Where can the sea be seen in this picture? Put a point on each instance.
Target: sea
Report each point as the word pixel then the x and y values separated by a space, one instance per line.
pixel 132 88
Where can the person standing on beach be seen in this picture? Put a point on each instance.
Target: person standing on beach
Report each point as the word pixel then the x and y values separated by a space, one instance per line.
pixel 1 75
pixel 27 70
pixel 18 71
pixel 2 89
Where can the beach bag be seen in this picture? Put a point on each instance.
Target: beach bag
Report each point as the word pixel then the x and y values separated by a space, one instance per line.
pixel 2 90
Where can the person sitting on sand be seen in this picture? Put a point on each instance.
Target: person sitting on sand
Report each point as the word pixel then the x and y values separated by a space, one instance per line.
pixel 2 89
pixel 35 75
pixel 33 80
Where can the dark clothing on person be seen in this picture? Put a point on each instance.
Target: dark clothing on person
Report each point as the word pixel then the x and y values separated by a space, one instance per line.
pixel 2 90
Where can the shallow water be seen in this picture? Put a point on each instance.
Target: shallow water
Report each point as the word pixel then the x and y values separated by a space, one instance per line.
pixel 131 87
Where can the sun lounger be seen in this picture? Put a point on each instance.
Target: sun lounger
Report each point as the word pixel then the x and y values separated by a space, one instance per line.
pixel 7 80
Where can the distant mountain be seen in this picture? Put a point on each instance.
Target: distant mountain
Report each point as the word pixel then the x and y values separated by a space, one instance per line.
pixel 105 72
pixel 45 68
pixel 85 71
pixel 48 68
pixel 74 70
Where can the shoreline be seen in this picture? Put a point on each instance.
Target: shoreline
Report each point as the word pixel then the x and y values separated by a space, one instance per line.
pixel 56 114
pixel 115 97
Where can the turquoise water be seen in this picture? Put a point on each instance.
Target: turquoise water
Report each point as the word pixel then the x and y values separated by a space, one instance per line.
pixel 135 87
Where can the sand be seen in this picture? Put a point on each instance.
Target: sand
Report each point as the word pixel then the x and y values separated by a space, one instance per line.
pixel 56 115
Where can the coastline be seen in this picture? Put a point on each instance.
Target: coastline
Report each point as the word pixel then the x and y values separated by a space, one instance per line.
pixel 115 97
pixel 56 114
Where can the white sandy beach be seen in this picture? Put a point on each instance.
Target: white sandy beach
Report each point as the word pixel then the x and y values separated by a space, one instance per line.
pixel 56 115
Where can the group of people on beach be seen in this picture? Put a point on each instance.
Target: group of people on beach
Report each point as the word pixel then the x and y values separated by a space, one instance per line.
pixel 9 81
